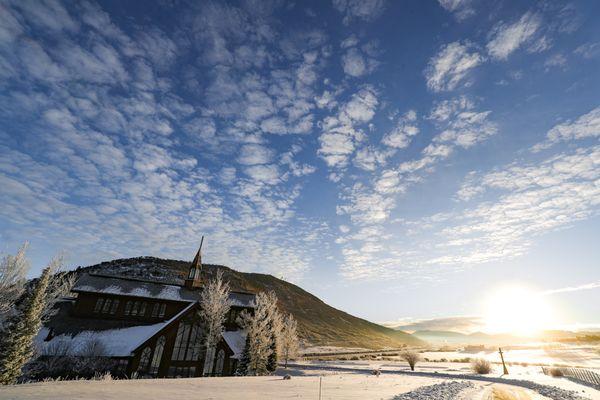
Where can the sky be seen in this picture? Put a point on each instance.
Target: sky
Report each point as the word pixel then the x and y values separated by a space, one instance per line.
pixel 399 159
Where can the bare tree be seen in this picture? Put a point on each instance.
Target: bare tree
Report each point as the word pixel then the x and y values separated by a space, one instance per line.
pixel 411 357
pixel 13 272
pixel 259 330
pixel 214 306
pixel 289 338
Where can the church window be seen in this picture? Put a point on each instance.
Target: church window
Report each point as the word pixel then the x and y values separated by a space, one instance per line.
pixel 106 307
pixel 136 306
pixel 160 346
pixel 99 304
pixel 128 307
pixel 144 360
pixel 115 305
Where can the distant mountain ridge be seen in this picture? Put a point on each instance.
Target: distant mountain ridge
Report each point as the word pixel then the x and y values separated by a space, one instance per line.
pixel 319 324
pixel 452 337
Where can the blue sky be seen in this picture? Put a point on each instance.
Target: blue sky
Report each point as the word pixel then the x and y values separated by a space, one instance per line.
pixel 385 155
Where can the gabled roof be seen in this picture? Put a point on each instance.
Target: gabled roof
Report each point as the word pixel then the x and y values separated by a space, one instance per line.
pixel 94 283
pixel 119 342
pixel 236 340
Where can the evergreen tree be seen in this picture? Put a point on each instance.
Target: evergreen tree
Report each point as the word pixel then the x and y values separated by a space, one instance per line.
pixel 17 338
pixel 273 356
pixel 242 368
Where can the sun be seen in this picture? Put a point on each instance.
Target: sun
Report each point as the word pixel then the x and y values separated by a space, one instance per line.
pixel 517 310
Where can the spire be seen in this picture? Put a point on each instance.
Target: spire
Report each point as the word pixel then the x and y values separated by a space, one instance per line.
pixel 193 279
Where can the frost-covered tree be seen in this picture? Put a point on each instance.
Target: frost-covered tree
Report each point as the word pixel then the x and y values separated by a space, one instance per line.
pixel 411 357
pixel 13 271
pixel 17 337
pixel 258 328
pixel 214 306
pixel 289 338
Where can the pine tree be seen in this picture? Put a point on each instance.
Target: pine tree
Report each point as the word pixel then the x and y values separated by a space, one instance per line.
pixel 17 338
pixel 273 356
pixel 242 368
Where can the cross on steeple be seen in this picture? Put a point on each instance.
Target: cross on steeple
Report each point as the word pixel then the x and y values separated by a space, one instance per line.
pixel 193 279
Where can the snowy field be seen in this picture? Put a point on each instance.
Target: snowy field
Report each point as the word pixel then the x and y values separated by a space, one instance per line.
pixel 586 356
pixel 338 380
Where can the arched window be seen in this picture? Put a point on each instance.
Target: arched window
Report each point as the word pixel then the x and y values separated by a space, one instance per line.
pixel 155 310
pixel 128 308
pixel 143 309
pixel 135 308
pixel 144 360
pixel 160 346
pixel 163 308
pixel 220 362
pixel 106 307
pixel 98 306
pixel 187 342
pixel 114 307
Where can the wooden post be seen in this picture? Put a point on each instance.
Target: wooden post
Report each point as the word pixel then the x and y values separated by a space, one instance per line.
pixel 320 379
pixel 503 363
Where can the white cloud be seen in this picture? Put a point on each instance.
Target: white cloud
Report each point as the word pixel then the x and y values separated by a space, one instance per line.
pixel 586 126
pixel 125 156
pixel 252 154
pixel 535 199
pixel 451 66
pixel 462 9
pixel 341 132
pixel 401 135
pixel 556 61
pixel 355 63
pixel 268 174
pixel 366 10
pixel 569 289
pixel 369 207
pixel 588 50
pixel 506 38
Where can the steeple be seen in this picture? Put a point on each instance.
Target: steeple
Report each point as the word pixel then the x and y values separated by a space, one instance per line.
pixel 193 279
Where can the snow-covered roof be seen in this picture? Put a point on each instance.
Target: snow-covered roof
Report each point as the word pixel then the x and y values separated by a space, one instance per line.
pixel 155 290
pixel 236 340
pixel 113 342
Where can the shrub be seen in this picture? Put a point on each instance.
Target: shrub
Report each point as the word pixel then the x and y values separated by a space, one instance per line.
pixel 556 372
pixel 411 357
pixel 481 366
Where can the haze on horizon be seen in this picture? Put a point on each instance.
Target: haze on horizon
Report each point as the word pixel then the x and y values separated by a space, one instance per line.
pixel 404 161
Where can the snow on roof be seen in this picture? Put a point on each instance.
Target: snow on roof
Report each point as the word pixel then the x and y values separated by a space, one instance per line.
pixel 155 290
pixel 236 340
pixel 113 342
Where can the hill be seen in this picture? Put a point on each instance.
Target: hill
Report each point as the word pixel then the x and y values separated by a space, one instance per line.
pixel 319 324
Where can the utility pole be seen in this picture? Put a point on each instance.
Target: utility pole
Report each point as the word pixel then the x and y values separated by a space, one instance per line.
pixel 503 363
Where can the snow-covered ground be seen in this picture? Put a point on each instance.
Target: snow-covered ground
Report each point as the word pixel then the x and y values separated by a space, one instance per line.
pixel 339 380
pixel 587 356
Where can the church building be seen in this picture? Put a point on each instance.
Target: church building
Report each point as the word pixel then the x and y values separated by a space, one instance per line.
pixel 149 328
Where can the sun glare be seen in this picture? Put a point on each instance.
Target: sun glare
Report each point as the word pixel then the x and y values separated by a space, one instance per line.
pixel 517 310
